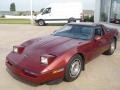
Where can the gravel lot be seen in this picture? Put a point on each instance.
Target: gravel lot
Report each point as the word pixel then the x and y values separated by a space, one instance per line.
pixel 103 73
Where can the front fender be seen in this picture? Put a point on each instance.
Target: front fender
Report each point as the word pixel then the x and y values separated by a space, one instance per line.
pixel 63 60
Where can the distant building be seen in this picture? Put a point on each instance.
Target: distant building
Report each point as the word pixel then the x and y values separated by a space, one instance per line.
pixel 105 10
pixel 17 13
pixel 6 13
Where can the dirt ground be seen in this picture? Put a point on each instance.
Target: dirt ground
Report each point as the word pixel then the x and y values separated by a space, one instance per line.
pixel 103 73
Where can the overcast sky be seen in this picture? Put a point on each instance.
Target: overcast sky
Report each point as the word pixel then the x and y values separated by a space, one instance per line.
pixel 24 5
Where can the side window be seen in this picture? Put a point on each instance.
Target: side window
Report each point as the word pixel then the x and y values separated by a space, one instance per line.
pixel 49 10
pixel 99 31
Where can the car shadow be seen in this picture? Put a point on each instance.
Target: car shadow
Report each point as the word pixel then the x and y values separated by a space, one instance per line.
pixel 55 82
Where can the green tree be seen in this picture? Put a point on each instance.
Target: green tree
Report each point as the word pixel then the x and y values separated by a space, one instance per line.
pixel 12 7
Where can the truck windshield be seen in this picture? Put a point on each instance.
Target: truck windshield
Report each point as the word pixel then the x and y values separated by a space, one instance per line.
pixel 46 11
pixel 76 32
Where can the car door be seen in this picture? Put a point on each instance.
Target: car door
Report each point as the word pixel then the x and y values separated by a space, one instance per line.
pixel 94 47
pixel 101 43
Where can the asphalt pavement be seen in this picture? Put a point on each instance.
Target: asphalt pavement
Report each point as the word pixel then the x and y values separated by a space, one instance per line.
pixel 103 73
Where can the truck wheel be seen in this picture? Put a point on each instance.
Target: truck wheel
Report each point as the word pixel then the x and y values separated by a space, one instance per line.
pixel 41 23
pixel 74 68
pixel 71 20
pixel 112 48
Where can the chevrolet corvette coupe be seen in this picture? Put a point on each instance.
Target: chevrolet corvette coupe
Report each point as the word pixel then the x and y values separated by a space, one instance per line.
pixel 63 54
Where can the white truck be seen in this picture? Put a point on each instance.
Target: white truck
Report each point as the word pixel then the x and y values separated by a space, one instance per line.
pixel 60 13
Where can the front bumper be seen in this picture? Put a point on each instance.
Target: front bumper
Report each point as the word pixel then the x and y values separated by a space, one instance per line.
pixel 38 78
pixel 36 21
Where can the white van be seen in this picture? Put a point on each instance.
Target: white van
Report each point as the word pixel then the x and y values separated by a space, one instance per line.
pixel 60 13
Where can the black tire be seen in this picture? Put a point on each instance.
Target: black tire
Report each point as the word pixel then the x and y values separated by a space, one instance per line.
pixel 68 73
pixel 70 20
pixel 41 23
pixel 112 48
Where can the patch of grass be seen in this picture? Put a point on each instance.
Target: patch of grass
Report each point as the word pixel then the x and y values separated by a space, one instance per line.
pixel 24 21
pixel 56 24
pixel 14 21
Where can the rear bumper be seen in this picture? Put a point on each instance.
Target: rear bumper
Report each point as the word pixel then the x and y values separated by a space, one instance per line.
pixel 38 78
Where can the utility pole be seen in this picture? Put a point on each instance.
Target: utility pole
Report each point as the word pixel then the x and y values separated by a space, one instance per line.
pixel 31 11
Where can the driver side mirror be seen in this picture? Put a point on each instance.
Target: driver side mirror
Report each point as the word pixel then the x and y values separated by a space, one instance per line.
pixel 97 37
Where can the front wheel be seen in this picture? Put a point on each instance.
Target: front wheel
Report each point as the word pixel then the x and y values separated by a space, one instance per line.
pixel 41 23
pixel 74 68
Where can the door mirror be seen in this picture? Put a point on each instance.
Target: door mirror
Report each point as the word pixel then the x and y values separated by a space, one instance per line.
pixel 97 37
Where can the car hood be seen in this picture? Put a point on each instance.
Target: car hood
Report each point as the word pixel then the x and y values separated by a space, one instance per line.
pixel 55 45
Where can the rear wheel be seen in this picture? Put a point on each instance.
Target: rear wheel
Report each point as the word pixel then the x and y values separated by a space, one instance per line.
pixel 41 23
pixel 112 48
pixel 70 20
pixel 74 68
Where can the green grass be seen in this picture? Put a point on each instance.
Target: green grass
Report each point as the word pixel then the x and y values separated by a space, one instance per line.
pixel 56 24
pixel 14 21
pixel 23 21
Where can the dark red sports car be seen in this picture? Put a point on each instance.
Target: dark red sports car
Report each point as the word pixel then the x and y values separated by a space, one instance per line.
pixel 63 54
pixel 114 20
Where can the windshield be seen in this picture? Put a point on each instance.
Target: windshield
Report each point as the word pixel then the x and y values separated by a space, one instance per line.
pixel 46 11
pixel 75 32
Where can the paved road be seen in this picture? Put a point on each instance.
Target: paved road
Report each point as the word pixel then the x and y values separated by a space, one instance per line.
pixel 103 73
